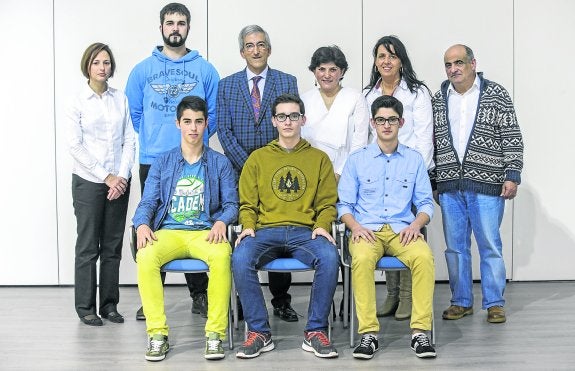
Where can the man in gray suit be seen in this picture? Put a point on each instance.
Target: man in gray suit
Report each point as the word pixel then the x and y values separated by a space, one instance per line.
pixel 244 124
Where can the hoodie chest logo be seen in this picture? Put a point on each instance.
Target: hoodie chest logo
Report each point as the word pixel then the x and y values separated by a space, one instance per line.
pixel 289 183
pixel 174 90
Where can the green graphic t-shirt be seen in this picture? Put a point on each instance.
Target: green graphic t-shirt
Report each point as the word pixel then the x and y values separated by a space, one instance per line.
pixel 187 210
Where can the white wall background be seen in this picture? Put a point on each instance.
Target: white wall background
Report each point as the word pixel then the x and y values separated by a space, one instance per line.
pixel 520 44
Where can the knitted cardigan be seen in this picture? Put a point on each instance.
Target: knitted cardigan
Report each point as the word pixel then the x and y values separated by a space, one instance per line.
pixel 494 151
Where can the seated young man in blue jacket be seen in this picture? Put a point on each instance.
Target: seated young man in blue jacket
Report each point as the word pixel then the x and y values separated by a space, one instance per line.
pixel 377 189
pixel 189 199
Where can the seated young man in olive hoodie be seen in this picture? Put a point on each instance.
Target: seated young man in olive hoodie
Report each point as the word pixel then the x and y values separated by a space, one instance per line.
pixel 287 204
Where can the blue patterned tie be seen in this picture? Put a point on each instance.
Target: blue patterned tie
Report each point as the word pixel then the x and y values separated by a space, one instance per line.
pixel 256 99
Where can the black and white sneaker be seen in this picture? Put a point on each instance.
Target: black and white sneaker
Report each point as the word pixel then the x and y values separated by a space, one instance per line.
pixel 367 347
pixel 422 346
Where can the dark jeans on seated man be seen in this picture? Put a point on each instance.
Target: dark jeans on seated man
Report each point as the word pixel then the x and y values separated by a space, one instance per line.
pixel 270 243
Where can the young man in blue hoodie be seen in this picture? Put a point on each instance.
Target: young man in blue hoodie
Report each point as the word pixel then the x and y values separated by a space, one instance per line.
pixel 154 88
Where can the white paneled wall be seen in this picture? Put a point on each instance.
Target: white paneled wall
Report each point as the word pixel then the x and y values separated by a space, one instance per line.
pixel 520 44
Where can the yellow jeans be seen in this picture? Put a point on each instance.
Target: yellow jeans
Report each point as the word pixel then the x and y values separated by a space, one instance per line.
pixel 417 256
pixel 177 244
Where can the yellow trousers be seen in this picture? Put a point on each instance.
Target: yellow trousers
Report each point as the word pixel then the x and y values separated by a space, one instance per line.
pixel 416 255
pixel 177 244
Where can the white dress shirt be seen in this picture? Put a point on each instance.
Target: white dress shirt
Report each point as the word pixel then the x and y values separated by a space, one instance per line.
pixel 261 83
pixel 100 134
pixel 462 109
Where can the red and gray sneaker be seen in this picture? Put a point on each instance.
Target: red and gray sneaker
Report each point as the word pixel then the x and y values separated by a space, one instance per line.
pixel 256 343
pixel 318 343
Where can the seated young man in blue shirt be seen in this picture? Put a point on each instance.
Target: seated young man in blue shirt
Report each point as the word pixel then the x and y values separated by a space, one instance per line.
pixel 376 191
pixel 189 199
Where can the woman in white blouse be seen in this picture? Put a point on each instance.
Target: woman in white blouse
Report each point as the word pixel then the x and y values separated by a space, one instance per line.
pixel 102 145
pixel 337 117
pixel 392 74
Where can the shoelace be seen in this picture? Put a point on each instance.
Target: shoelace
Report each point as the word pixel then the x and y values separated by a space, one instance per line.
pixel 423 340
pixel 213 345
pixel 366 341
pixel 320 335
pixel 155 345
pixel 253 336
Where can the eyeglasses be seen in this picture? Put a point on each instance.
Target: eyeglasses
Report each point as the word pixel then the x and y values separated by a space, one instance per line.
pixel 294 116
pixel 392 121
pixel 249 47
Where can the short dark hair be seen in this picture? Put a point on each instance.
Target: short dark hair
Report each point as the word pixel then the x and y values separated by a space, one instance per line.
pixel 469 53
pixel 90 54
pixel 194 103
pixel 172 8
pixel 288 98
pixel 327 54
pixel 387 101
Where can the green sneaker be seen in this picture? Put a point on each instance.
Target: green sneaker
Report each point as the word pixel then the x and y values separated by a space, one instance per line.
pixel 214 349
pixel 158 346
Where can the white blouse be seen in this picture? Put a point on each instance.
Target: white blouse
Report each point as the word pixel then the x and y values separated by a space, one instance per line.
pixel 340 130
pixel 100 134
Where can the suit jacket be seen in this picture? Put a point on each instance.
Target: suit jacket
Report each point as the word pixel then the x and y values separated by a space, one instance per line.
pixel 238 131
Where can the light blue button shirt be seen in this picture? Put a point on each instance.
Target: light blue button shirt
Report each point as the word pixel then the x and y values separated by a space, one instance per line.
pixel 378 189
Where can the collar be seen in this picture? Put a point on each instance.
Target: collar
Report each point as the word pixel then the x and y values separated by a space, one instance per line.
pixel 88 93
pixel 251 75
pixel 476 85
pixel 373 150
pixel 402 85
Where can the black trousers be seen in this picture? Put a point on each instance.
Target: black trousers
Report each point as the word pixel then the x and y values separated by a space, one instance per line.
pixel 100 228
pixel 197 282
pixel 279 284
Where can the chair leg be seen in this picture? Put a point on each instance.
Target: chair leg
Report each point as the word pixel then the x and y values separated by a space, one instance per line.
pixel 351 316
pixel 230 327
pixel 346 297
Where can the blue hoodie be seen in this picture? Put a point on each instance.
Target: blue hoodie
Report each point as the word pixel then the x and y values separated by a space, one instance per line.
pixel 156 86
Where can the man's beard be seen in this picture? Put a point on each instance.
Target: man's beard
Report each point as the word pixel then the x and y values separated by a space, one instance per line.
pixel 174 44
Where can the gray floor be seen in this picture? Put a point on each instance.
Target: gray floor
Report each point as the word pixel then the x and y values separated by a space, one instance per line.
pixel 40 330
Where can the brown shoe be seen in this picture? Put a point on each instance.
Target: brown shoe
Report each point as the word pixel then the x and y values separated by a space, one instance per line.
pixel 496 315
pixel 457 312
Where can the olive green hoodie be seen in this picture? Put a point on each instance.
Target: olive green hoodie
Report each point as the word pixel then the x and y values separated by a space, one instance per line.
pixel 280 187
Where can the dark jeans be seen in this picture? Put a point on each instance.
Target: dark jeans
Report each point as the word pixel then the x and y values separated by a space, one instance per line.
pixel 100 228
pixel 197 282
pixel 274 242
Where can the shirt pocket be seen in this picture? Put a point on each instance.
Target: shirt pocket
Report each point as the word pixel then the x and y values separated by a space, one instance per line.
pixel 404 184
pixel 369 185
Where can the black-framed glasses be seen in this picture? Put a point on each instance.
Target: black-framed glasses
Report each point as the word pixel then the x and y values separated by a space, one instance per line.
pixel 392 121
pixel 294 116
pixel 250 47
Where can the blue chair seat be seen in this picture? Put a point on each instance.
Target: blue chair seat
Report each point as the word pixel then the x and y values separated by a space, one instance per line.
pixel 286 265
pixel 389 263
pixel 185 265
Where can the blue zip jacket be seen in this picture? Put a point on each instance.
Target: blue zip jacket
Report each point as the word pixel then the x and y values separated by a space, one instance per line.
pixel 221 192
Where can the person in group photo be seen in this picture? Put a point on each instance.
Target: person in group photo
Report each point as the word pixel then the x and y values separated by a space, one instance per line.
pixel 392 74
pixel 154 88
pixel 379 187
pixel 287 205
pixel 102 144
pixel 479 159
pixel 245 124
pixel 189 200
